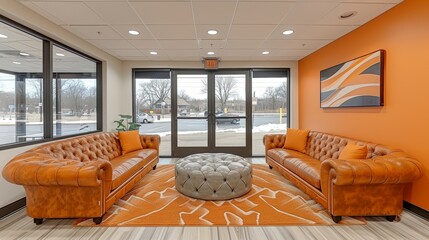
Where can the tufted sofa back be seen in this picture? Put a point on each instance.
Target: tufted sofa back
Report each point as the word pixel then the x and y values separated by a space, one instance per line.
pixel 324 146
pixel 103 145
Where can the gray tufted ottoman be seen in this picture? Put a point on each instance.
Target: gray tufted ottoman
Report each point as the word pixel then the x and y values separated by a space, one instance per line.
pixel 213 176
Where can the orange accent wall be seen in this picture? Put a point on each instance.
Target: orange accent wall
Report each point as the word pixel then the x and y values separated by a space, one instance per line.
pixel 404 120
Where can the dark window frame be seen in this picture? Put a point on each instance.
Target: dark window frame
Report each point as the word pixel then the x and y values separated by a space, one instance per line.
pixel 251 70
pixel 47 76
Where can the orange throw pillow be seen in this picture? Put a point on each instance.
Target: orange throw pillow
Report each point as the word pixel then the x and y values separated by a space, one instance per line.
pixel 130 141
pixel 296 139
pixel 353 151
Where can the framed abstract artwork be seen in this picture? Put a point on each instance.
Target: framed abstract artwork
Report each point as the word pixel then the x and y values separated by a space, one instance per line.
pixel 355 83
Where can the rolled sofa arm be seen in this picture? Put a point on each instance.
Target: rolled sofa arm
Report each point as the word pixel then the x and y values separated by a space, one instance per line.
pixel 43 170
pixel 380 170
pixel 150 141
pixel 274 141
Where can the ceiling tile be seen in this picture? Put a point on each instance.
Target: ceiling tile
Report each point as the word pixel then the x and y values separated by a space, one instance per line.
pixel 94 32
pixel 276 58
pixel 108 11
pixel 145 44
pixel 172 31
pixel 294 44
pixel 142 58
pixel 234 58
pixel 326 32
pixel 211 44
pixel 126 53
pixel 112 44
pixel 240 52
pixel 291 52
pixel 222 31
pixel 297 34
pixel 164 12
pixel 243 44
pixel 365 12
pixel 66 12
pixel 183 52
pixel 213 12
pixel 178 44
pixel 245 27
pixel 123 31
pixel 250 31
pixel 186 59
pixel 306 12
pixel 261 12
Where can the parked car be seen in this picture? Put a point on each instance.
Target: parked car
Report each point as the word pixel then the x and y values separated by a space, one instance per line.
pixel 231 118
pixel 145 118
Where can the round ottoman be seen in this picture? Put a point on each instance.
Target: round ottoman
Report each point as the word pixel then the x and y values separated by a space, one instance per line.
pixel 213 176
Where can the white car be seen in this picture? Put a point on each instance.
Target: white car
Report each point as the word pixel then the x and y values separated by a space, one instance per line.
pixel 145 118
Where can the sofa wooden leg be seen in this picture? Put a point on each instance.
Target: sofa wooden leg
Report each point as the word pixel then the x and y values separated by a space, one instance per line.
pixel 38 221
pixel 154 167
pixel 336 219
pixel 97 220
pixel 391 218
pixel 271 167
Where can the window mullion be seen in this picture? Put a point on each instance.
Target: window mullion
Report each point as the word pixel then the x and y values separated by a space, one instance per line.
pixel 47 90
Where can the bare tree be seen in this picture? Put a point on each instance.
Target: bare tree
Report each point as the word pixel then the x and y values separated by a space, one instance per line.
pixel 73 95
pixel 282 92
pixel 91 99
pixel 6 99
pixel 156 90
pixel 183 95
pixel 33 93
pixel 271 94
pixel 224 89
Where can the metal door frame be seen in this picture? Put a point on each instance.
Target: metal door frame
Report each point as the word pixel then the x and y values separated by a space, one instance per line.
pixel 245 151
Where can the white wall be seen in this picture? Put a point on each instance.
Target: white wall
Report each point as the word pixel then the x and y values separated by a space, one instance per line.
pixel 293 65
pixel 112 69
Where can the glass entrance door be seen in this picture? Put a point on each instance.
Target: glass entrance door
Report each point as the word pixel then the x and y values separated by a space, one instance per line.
pixel 210 112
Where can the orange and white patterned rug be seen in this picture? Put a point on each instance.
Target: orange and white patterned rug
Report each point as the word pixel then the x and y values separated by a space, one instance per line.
pixel 273 200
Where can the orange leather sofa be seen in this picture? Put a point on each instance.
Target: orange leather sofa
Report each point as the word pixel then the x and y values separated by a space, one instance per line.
pixel 81 177
pixel 363 187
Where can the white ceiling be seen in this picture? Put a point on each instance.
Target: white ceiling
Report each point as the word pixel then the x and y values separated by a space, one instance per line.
pixel 177 29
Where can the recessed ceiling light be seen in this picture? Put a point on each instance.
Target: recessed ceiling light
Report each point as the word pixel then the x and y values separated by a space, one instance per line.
pixel 3 36
pixel 347 15
pixel 133 32
pixel 16 63
pixel 212 32
pixel 24 54
pixel 265 52
pixel 153 53
pixel 287 32
pixel 60 54
pixel 210 53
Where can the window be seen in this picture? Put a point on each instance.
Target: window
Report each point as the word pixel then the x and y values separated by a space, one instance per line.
pixel 152 105
pixel 39 100
pixel 21 100
pixel 270 105
pixel 223 110
pixel 74 93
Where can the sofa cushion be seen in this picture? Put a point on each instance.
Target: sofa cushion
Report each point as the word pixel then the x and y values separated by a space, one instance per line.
pixel 125 166
pixel 353 151
pixel 130 141
pixel 280 154
pixel 307 168
pixel 296 139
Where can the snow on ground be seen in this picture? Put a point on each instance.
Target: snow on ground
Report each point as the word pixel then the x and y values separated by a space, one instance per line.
pixel 263 128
